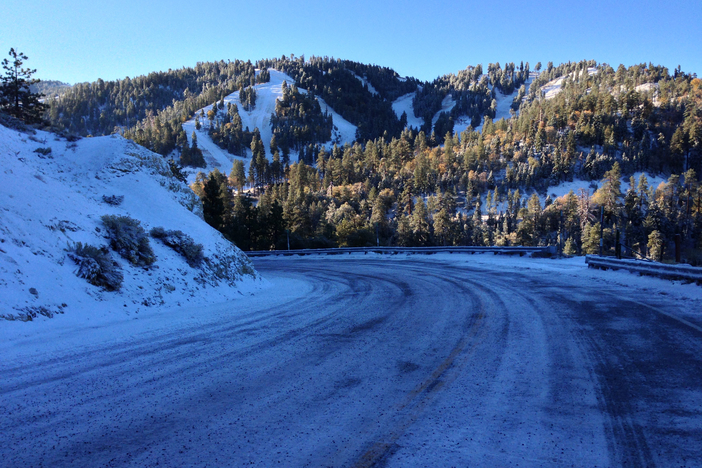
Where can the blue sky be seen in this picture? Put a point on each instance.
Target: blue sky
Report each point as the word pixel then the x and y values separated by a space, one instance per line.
pixel 81 40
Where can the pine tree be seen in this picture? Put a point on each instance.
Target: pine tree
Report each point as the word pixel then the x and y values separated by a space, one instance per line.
pixel 655 246
pixel 213 200
pixel 15 96
pixel 237 176
pixel 257 170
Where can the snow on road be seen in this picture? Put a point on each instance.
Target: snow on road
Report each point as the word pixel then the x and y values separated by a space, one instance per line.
pixel 444 360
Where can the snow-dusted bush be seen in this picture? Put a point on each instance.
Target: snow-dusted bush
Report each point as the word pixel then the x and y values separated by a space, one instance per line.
pixel 43 151
pixel 129 239
pixel 114 200
pixel 96 265
pixel 181 243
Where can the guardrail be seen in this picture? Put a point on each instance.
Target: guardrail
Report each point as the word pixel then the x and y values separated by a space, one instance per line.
pixel 550 250
pixel 643 267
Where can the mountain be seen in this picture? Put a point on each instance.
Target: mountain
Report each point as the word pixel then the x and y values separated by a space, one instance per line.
pixel 472 157
pixel 60 196
pixel 259 117
pixel 50 88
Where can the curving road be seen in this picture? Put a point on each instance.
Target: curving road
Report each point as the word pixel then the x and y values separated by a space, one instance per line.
pixel 373 362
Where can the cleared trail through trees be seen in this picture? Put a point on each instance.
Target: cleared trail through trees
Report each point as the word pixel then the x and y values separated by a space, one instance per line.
pixel 374 362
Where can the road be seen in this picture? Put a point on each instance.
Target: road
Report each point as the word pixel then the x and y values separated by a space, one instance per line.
pixel 374 362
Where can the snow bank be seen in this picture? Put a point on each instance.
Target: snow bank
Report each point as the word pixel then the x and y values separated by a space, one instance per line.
pixel 53 200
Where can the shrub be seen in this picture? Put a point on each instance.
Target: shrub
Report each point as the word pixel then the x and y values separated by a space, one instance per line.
pixel 181 243
pixel 129 239
pixel 96 265
pixel 43 151
pixel 114 200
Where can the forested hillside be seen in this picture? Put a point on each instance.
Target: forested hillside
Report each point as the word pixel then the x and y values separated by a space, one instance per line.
pixel 420 186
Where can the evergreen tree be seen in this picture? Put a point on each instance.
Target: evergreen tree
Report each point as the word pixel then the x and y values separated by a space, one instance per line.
pixel 213 200
pixel 237 176
pixel 16 98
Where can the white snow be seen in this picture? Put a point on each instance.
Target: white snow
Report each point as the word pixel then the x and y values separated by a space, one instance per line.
pixel 343 132
pixel 260 117
pixel 576 271
pixel 553 87
pixel 49 202
pixel 434 360
pixel 504 105
pixel 647 87
pixel 563 188
pixel 365 82
pixel 446 105
pixel 404 104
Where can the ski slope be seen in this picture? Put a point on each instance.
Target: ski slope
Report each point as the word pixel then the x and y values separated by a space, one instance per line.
pixel 404 104
pixel 260 117
pixel 554 87
pixel 366 83
pixel 504 103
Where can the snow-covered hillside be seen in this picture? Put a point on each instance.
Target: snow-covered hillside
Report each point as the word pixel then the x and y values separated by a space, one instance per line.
pixel 260 117
pixel 504 103
pixel 55 198
pixel 366 83
pixel 404 104
pixel 553 87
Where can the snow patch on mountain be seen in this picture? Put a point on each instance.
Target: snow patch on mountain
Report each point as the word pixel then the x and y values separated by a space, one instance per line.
pixel 504 104
pixel 260 117
pixel 404 104
pixel 447 104
pixel 553 87
pixel 366 83
pixel 343 131
pixel 55 197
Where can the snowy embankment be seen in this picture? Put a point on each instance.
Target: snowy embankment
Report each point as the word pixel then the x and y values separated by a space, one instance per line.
pixel 55 199
pixel 260 117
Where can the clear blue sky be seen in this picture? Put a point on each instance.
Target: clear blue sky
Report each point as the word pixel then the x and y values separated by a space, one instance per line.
pixel 83 40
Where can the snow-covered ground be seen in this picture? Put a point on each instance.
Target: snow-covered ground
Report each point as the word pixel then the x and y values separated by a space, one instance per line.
pixel 367 83
pixel 563 188
pixel 260 117
pixel 52 201
pixel 504 104
pixel 404 104
pixel 553 87
pixel 446 105
pixel 343 132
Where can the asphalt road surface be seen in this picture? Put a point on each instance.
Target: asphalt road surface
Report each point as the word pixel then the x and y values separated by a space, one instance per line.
pixel 375 362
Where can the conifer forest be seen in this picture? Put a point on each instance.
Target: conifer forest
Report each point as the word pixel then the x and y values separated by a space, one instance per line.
pixel 614 128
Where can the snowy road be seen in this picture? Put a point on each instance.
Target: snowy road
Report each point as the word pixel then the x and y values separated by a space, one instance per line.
pixel 371 361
